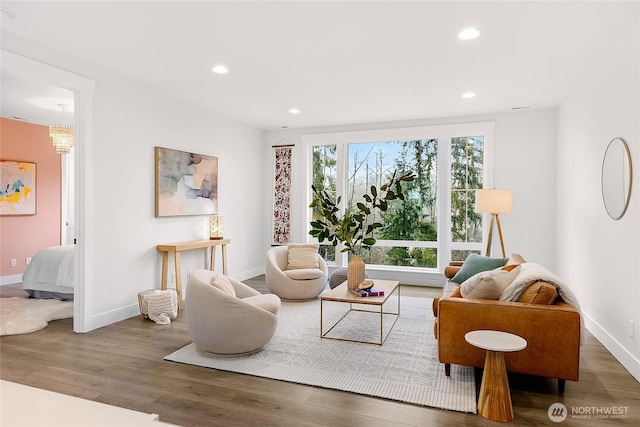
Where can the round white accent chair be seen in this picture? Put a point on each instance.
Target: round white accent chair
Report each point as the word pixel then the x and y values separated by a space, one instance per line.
pixel 225 317
pixel 294 284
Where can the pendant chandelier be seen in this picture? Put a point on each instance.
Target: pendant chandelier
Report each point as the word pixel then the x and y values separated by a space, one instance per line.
pixel 62 136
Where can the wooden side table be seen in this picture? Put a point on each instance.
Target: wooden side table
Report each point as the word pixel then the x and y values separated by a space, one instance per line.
pixel 494 401
pixel 176 248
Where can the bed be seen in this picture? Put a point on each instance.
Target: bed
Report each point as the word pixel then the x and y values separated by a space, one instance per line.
pixel 50 274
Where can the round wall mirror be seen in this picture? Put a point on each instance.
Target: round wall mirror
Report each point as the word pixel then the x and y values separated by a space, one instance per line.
pixel 616 178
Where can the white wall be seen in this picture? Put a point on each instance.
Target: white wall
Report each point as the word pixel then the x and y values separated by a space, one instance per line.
pixel 128 121
pixel 600 257
pixel 524 161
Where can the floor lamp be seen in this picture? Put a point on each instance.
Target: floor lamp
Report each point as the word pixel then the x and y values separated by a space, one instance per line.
pixel 494 202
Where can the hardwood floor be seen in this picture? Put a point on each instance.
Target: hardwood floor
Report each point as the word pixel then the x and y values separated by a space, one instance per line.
pixel 121 365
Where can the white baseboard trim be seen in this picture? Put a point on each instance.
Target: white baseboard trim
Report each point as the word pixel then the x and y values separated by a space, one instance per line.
pixel 10 280
pixel 113 316
pixel 628 360
pixel 249 274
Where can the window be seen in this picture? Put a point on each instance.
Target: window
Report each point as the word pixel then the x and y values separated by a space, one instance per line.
pixel 436 223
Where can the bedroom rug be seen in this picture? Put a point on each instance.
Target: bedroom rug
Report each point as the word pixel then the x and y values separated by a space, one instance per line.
pixel 24 315
pixel 405 368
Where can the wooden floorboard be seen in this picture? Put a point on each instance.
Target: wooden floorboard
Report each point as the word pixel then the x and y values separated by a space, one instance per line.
pixel 122 365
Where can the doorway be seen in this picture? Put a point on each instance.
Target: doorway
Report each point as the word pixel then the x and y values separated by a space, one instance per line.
pixel 83 90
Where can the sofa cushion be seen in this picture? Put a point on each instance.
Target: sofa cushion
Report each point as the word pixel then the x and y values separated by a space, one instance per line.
pixel 539 293
pixel 269 302
pixel 302 255
pixel 515 259
pixel 475 264
pixel 304 273
pixel 457 293
pixel 488 284
pixel 222 283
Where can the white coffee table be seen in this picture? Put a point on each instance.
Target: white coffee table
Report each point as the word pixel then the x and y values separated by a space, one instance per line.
pixel 494 401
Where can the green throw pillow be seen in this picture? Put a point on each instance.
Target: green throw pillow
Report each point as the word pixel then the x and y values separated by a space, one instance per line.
pixel 474 264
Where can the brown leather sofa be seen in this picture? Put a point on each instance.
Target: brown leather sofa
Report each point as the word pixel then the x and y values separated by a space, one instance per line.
pixel 552 333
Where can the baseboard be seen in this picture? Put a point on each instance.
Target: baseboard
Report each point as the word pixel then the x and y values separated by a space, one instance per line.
pixel 628 360
pixel 10 280
pixel 249 274
pixel 109 317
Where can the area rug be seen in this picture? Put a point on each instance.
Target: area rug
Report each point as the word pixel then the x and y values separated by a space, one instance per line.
pixel 405 368
pixel 24 315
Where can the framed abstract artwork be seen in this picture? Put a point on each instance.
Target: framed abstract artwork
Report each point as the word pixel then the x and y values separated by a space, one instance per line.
pixel 18 192
pixel 186 183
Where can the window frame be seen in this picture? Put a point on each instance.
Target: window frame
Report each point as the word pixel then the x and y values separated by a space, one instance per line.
pixel 444 135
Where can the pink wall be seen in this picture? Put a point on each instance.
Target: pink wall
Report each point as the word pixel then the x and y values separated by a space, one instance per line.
pixel 24 236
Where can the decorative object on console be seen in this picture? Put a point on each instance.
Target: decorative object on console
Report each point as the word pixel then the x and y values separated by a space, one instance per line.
pixel 616 179
pixel 354 228
pixel 185 183
pixel 62 136
pixel 18 193
pixel 216 227
pixel 282 194
pixel 494 202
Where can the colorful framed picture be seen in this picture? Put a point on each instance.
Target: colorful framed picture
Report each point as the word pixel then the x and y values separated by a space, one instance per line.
pixel 18 192
pixel 186 183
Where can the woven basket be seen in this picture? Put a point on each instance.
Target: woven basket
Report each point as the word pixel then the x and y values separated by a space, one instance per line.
pixel 143 302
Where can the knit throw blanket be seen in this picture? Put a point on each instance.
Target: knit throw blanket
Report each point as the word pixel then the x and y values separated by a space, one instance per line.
pixel 529 274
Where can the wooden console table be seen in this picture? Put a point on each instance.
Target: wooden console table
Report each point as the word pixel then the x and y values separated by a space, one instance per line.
pixel 176 248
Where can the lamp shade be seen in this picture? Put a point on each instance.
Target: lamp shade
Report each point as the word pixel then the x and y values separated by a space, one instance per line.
pixel 216 227
pixel 493 201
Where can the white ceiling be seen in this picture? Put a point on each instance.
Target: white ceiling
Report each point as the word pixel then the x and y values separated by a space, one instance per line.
pixel 338 62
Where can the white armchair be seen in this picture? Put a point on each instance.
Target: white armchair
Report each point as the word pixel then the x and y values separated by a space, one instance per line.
pixel 294 283
pixel 226 317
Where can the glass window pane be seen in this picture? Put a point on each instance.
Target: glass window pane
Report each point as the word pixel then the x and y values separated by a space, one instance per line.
pixel 461 255
pixel 372 164
pixel 324 172
pixel 467 159
pixel 402 256
pixel 328 252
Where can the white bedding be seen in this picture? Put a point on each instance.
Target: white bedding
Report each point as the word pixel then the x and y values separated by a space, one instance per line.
pixel 51 270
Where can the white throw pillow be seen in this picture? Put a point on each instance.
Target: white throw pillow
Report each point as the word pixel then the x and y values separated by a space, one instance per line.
pixel 302 255
pixel 488 284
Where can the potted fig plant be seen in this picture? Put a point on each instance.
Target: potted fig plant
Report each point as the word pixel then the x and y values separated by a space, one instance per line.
pixel 354 228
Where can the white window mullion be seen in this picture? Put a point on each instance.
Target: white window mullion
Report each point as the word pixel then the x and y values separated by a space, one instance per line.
pixel 444 200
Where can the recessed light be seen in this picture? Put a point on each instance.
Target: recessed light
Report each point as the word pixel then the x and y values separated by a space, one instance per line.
pixel 468 34
pixel 294 111
pixel 468 95
pixel 220 69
